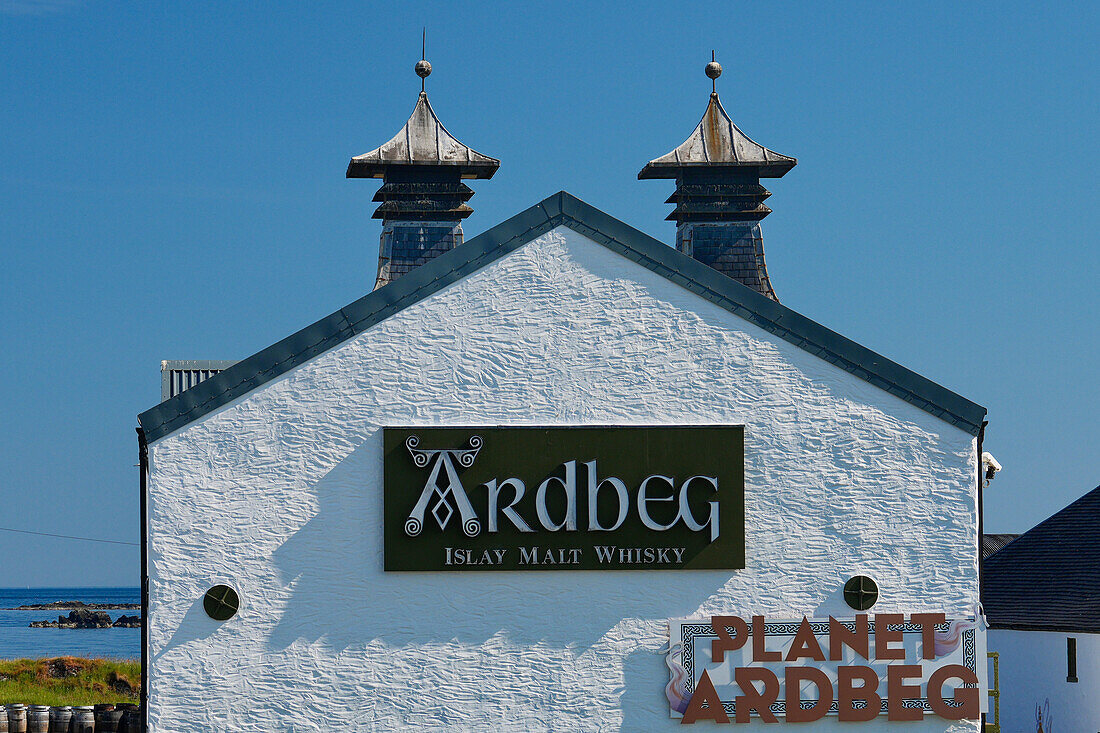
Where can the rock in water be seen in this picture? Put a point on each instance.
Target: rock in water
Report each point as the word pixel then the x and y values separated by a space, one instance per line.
pixel 82 618
pixel 127 622
pixel 79 619
pixel 65 605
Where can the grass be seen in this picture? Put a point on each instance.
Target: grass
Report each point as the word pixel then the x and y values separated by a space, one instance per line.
pixel 69 681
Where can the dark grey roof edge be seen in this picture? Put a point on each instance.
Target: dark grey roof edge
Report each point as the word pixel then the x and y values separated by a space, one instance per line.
pixel 1071 628
pixel 470 170
pixel 771 169
pixel 559 209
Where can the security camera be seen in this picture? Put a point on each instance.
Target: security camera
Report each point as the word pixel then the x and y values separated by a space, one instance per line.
pixel 990 467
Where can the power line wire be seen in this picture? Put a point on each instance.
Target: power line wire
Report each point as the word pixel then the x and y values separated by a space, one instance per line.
pixel 68 536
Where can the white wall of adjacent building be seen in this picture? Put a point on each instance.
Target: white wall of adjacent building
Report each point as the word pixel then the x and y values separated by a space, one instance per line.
pixel 279 494
pixel 1034 673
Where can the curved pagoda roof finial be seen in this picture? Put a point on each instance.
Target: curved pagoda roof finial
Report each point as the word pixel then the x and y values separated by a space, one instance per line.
pixel 718 143
pixel 423 141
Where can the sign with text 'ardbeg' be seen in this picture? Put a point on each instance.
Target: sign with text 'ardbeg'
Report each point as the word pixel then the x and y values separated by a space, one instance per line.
pixel 564 498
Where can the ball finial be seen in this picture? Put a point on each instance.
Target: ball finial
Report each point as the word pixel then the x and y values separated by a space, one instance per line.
pixel 714 70
pixel 423 68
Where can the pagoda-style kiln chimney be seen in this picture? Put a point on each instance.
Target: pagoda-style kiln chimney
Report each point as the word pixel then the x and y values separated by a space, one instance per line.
pixel 422 194
pixel 719 199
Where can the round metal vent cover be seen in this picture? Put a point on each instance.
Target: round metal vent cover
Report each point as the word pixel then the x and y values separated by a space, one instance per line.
pixel 860 592
pixel 221 602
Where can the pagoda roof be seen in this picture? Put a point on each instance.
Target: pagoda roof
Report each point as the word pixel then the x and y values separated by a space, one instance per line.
pixel 423 141
pixel 718 143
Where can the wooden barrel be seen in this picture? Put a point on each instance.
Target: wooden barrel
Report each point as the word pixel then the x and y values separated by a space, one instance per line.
pixel 17 718
pixel 4 720
pixel 38 719
pixel 83 720
pixel 60 716
pixel 106 718
pixel 128 723
pixel 124 718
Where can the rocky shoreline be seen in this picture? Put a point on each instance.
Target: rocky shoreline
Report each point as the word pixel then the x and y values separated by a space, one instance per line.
pixel 83 618
pixel 66 605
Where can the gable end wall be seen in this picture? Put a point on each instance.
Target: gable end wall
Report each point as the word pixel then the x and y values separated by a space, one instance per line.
pixel 278 494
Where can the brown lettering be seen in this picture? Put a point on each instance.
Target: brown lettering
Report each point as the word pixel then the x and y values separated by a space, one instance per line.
pixel 726 643
pixel 794 678
pixel 928 623
pixel 884 635
pixel 704 704
pixel 897 692
pixel 805 644
pixel 969 708
pixel 751 699
pixel 759 653
pixel 858 641
pixel 846 694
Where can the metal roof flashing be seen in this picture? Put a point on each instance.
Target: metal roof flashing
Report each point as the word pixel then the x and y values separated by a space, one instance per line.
pixel 558 210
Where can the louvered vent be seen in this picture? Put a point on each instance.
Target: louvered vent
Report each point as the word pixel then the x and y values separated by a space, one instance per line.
pixel 177 376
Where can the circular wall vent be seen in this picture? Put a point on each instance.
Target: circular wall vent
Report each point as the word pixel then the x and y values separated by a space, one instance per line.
pixel 221 603
pixel 860 592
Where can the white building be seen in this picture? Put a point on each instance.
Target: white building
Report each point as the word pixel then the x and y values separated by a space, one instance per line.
pixel 276 483
pixel 1041 595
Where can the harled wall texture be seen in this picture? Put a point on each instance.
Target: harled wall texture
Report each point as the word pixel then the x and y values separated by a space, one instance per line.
pixel 279 495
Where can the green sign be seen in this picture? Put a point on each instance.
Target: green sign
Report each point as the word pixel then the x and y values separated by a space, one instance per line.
pixel 574 498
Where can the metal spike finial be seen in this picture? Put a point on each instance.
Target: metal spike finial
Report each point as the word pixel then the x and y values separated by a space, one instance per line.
pixel 423 68
pixel 714 70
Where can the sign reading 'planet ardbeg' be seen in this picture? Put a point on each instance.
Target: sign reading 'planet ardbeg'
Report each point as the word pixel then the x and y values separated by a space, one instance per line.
pixel 564 498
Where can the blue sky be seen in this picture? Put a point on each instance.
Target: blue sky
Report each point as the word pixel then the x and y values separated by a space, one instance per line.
pixel 172 187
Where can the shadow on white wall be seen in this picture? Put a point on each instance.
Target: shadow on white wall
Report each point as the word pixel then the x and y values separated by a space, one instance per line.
pixel 339 592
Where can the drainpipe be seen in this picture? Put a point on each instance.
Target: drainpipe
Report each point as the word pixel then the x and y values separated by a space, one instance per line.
pixel 143 463
pixel 981 505
pixel 981 525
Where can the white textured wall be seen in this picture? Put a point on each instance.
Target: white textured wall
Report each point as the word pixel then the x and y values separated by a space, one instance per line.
pixel 279 495
pixel 1033 677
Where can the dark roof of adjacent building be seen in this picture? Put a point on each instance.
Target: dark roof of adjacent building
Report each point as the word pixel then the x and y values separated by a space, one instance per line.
pixel 718 142
pixel 995 543
pixel 1048 579
pixel 561 209
pixel 423 141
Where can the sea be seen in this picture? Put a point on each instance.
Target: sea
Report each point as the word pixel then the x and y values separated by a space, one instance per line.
pixel 19 641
